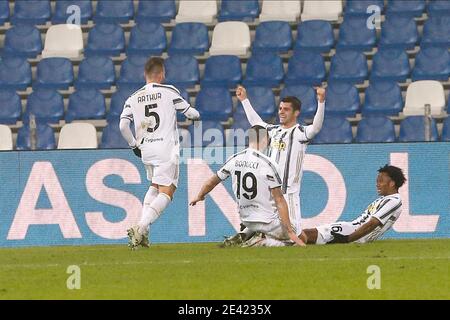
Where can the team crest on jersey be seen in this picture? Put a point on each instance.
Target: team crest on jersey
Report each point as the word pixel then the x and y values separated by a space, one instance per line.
pixel 279 145
pixel 371 208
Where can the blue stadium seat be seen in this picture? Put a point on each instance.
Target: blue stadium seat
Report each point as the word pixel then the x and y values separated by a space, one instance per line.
pixel 342 99
pixel 161 11
pixel 390 64
pixel 118 100
pixel 96 72
pixel 348 66
pixel 436 32
pixel 264 69
pixel 399 33
pixel 189 38
pixel 406 7
pixel 23 40
pixel 4 11
pixel 334 130
pixel 360 7
pixel 222 70
pixel 111 136
pixel 306 67
pixel 446 130
pixel 307 96
pixel 182 71
pixel 432 64
pixel 383 97
pixel 105 39
pixel 31 12
pixel 438 7
pixel 45 137
pixel 375 129
pixel 147 38
pixel 56 73
pixel 354 35
pixel 15 73
pixel 273 36
pixel 241 10
pixel 117 11
pixel 62 16
pixel 212 134
pixel 263 101
pixel 214 104
pixel 183 92
pixel 10 106
pixel 132 72
pixel 412 129
pixel 47 105
pixel 316 35
pixel 86 104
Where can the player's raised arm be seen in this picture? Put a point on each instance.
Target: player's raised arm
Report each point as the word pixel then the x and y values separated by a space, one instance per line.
pixel 284 215
pixel 251 114
pixel 313 129
pixel 207 187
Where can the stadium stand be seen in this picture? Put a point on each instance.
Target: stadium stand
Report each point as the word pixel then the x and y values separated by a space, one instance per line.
pixel 64 41
pixel 33 12
pixel 446 130
pixel 86 104
pixel 106 39
pixel 305 67
pixel 281 10
pixel 306 95
pixel 78 136
pixel 6 139
pixel 45 138
pixel 147 38
pixel 342 100
pixel 222 71
pixel 56 73
pixel 118 99
pixel 47 105
pixel 182 71
pixel 329 10
pixel 15 73
pixel 111 136
pixel 4 11
pixel 189 38
pixel 159 10
pixel 334 130
pixel 375 129
pixel 231 37
pixel 412 129
pixel 436 32
pixel 362 7
pixel 263 101
pixel 315 35
pixel 391 65
pixel 432 63
pixel 354 35
pixel 214 104
pixel 211 131
pixel 399 33
pixel 348 66
pixel 203 11
pixel 383 97
pixel 273 36
pixel 10 107
pixel 406 8
pixel 421 93
pixel 131 72
pixel 438 7
pixel 96 72
pixel 264 69
pixel 242 10
pixel 22 40
pixel 118 11
pixel 64 11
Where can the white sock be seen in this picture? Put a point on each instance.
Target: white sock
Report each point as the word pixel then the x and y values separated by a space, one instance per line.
pixel 152 211
pixel 271 242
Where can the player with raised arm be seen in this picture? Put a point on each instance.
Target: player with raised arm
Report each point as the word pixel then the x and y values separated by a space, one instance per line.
pixel 257 189
pixel 153 111
pixel 287 146
pixel 378 218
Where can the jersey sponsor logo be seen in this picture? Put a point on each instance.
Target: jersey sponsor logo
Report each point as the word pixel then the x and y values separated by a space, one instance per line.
pixel 246 164
pixel 149 97
pixel 278 145
pixel 249 206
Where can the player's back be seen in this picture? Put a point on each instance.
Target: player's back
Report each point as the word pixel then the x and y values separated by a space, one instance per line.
pixel 253 175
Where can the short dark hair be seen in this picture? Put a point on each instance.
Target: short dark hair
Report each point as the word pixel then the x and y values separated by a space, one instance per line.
pixel 294 101
pixel 255 134
pixel 154 65
pixel 395 173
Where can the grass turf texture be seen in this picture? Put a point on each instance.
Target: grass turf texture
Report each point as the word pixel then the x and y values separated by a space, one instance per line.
pixel 410 269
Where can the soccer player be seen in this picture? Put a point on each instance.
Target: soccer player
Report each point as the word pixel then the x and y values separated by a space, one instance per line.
pixel 257 188
pixel 153 111
pixel 378 218
pixel 287 146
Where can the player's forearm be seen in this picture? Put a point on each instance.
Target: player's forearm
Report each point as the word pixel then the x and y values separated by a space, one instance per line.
pixel 362 231
pixel 251 114
pixel 283 211
pixel 209 186
pixel 314 129
pixel 126 132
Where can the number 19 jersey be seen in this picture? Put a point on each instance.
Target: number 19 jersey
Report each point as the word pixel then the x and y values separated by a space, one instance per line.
pixel 253 176
pixel 153 111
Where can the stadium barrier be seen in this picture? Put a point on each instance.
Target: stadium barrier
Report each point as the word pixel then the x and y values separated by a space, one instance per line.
pixel 87 197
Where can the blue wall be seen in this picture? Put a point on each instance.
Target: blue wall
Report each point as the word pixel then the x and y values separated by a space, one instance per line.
pixel 44 193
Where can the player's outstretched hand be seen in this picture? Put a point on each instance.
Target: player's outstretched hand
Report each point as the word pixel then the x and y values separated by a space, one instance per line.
pixel 338 238
pixel 241 93
pixel 297 240
pixel 321 94
pixel 194 202
pixel 137 152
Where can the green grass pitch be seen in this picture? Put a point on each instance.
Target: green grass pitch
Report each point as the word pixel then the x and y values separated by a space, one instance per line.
pixel 409 269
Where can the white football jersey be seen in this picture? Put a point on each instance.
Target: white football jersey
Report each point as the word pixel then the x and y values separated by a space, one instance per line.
pixel 386 209
pixel 253 176
pixel 153 111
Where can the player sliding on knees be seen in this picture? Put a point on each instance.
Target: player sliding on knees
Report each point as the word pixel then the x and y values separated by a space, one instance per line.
pixel 287 147
pixel 378 218
pixel 153 111
pixel 256 181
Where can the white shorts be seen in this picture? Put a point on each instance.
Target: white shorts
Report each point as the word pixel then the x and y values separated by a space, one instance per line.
pixel 293 202
pixel 272 229
pixel 164 174
pixel 324 231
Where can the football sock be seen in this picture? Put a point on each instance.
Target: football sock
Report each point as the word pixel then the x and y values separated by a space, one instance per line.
pixel 151 212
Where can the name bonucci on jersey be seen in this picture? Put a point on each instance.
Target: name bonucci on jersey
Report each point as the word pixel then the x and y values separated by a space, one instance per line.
pixel 386 209
pixel 153 110
pixel 253 176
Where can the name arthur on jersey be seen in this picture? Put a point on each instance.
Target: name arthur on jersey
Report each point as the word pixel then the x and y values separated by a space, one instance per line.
pixel 149 97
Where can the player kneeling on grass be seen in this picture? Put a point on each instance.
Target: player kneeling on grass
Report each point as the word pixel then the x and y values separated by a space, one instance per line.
pixel 378 218
pixel 256 181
